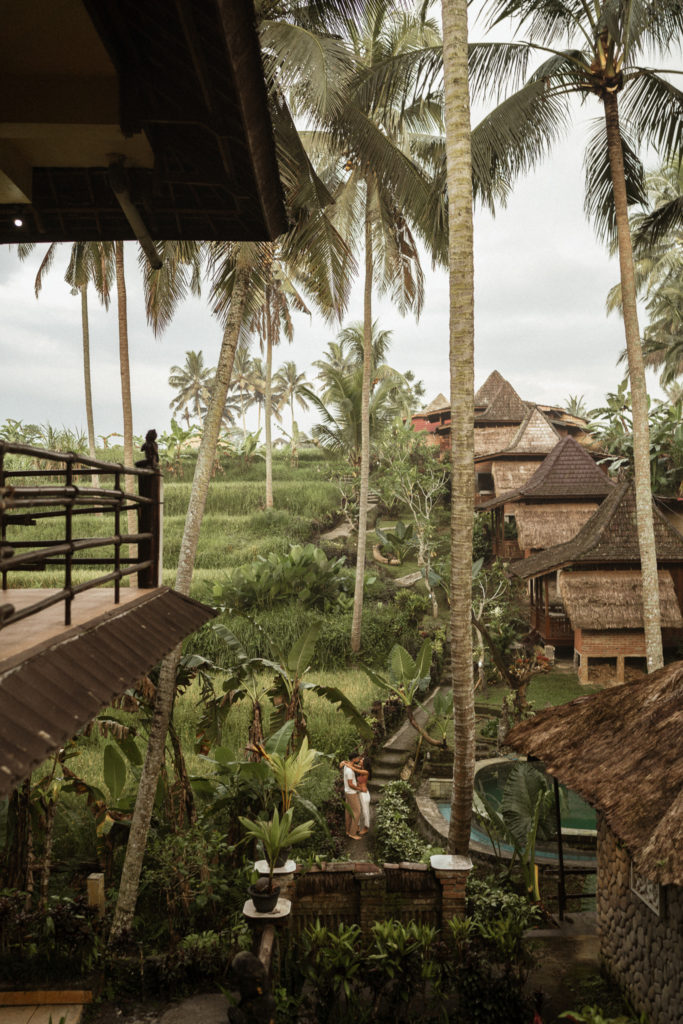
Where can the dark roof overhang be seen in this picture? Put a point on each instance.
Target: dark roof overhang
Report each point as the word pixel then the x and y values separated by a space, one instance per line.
pixel 169 93
pixel 51 691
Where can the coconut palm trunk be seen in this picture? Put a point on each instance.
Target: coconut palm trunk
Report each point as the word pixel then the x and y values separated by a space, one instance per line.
pixel 461 363
pixel 636 369
pixel 124 366
pixel 154 759
pixel 269 401
pixel 90 419
pixel 364 433
pixel 85 326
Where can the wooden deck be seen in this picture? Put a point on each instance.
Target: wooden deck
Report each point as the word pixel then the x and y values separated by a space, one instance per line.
pixel 20 637
pixel 51 1013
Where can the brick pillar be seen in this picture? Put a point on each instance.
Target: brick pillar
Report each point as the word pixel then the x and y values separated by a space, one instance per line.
pixel 372 885
pixel 452 873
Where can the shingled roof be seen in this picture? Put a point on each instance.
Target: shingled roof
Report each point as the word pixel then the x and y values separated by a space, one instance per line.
pixel 488 389
pixel 504 406
pixel 609 536
pixel 622 751
pixel 567 473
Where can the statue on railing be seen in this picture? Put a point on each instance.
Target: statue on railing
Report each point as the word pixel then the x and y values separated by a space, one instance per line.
pixel 151 459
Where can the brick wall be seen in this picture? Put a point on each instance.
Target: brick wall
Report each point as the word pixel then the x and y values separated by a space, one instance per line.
pixel 361 893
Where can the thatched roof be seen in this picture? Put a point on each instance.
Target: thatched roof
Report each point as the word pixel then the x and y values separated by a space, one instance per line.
pixel 622 751
pixel 542 526
pixel 610 536
pixel 614 600
pixel 568 472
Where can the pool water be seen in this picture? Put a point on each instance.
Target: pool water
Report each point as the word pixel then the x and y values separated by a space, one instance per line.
pixel 575 812
pixel 477 835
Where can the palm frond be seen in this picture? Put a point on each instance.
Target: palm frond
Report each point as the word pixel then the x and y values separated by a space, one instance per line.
pixel 655 226
pixel 651 25
pixel 312 69
pixel 514 137
pixel 655 107
pixel 599 201
pixel 495 68
pixel 167 287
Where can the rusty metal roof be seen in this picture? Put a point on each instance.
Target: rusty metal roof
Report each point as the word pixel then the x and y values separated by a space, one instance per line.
pixel 52 690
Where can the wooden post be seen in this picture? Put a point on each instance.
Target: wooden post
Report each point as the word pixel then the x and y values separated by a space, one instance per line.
pixel 149 486
pixel 620 668
pixel 96 893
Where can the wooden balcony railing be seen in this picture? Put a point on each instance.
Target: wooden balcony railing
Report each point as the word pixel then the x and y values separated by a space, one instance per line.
pixel 555 628
pixel 38 485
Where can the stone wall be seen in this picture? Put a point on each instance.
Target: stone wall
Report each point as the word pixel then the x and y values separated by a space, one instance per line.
pixel 361 893
pixel 642 950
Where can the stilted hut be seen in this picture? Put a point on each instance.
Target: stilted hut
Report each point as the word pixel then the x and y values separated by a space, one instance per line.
pixel 552 505
pixel 622 751
pixel 596 602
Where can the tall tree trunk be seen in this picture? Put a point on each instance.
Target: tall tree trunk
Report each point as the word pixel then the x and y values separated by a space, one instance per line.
pixel 636 370
pixel 364 432
pixel 269 403
pixel 124 365
pixel 90 419
pixel 154 759
pixel 461 361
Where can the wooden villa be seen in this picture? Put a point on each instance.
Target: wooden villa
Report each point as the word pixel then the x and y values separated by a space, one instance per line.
pixel 121 120
pixel 511 436
pixel 586 592
pixel 551 505
pixel 622 751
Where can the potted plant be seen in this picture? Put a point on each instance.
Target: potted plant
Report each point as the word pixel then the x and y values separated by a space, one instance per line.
pixel 274 835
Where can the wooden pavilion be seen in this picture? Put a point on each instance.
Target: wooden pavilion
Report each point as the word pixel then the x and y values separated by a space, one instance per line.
pixel 587 591
pixel 622 751
pixel 121 119
pixel 551 505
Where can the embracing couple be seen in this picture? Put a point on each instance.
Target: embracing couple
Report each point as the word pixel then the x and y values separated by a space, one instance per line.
pixel 356 796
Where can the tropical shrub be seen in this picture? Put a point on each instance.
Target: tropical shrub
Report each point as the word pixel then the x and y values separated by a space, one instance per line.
pixel 395 839
pixel 305 575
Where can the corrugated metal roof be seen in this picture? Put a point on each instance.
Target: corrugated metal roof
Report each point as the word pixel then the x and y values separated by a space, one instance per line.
pixel 51 691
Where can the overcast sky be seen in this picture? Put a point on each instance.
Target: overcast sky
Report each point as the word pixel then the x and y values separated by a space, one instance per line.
pixel 541 281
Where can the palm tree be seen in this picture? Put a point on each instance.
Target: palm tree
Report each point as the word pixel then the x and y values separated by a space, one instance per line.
pixel 193 382
pixel 290 387
pixel 257 386
pixel 594 50
pixel 237 272
pixel 241 378
pixel 384 188
pixel 461 363
pixel 88 262
pixel 658 251
pixel 273 315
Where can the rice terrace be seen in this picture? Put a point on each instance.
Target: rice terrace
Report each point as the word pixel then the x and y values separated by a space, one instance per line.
pixel 341 522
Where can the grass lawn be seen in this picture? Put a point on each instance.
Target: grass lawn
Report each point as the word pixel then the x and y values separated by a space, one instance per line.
pixel 547 689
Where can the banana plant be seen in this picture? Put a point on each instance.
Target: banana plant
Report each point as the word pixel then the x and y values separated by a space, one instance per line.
pixel 523 815
pixel 406 678
pixel 397 543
